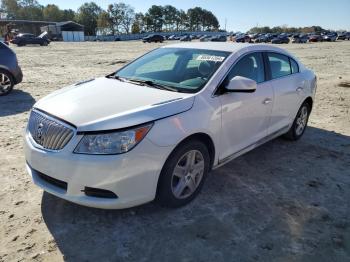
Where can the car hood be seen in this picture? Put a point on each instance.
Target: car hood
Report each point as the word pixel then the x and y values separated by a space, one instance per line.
pixel 105 104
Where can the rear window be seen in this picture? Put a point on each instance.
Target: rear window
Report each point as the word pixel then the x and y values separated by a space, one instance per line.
pixel 279 65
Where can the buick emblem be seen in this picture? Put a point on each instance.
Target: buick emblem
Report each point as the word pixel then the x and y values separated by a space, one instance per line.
pixel 39 132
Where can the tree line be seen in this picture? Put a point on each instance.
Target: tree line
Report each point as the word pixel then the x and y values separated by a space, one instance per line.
pixel 116 18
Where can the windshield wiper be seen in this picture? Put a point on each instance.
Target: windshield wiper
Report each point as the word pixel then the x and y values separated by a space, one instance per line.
pixel 152 84
pixel 117 78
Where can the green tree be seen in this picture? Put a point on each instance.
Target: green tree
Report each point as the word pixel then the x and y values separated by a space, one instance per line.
pixel 30 10
pixel 155 16
pixel 194 18
pixel 170 15
pixel 135 28
pixel 128 16
pixel 68 15
pixel 52 13
pixel 87 15
pixel 103 22
pixel 11 8
pixel 139 23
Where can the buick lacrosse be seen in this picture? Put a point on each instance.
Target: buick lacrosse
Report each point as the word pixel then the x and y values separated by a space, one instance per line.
pixel 157 126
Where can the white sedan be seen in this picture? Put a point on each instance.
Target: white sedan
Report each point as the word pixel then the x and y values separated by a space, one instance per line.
pixel 157 126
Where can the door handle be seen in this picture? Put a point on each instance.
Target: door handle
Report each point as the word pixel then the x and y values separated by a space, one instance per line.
pixel 267 101
pixel 299 89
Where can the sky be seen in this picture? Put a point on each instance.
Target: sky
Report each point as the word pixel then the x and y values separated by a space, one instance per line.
pixel 241 15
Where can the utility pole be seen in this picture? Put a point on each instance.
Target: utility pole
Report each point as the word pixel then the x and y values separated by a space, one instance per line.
pixel 225 23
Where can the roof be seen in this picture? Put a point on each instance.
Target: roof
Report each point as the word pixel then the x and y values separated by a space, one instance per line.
pixel 70 26
pixel 66 23
pixel 229 47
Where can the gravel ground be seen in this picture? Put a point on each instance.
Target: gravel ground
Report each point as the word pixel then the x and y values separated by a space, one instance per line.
pixel 285 201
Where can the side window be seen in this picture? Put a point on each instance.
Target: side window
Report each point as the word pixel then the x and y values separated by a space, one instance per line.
pixel 279 65
pixel 250 66
pixel 294 66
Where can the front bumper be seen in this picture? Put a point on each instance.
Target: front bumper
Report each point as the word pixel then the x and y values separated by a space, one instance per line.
pixel 132 176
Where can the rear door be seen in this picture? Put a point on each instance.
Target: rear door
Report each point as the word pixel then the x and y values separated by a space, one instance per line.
pixel 287 87
pixel 245 116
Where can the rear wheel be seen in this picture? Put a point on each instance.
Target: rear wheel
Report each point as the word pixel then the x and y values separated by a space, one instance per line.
pixel 300 122
pixel 183 174
pixel 6 82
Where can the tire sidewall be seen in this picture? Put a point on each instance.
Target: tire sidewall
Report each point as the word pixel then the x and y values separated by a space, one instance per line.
pixel 164 191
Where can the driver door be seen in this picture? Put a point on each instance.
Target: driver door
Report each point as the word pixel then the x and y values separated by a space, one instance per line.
pixel 245 116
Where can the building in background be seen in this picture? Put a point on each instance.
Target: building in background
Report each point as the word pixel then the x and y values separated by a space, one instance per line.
pixel 68 31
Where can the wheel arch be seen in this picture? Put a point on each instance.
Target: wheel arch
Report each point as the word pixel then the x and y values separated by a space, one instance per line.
pixel 199 136
pixel 208 142
pixel 310 101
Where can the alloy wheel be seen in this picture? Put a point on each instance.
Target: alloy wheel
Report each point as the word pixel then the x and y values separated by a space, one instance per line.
pixel 301 120
pixel 5 83
pixel 187 174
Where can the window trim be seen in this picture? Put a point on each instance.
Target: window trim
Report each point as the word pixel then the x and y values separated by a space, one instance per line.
pixel 290 63
pixel 217 92
pixel 269 65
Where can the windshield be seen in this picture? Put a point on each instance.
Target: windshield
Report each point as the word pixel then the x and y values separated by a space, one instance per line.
pixel 182 69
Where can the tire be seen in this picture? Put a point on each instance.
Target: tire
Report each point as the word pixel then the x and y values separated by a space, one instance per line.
pixel 295 132
pixel 6 82
pixel 178 188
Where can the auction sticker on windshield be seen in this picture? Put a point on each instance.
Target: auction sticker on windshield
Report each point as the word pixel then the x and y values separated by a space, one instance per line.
pixel 212 58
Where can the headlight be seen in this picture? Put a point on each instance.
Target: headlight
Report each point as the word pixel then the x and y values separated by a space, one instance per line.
pixel 111 142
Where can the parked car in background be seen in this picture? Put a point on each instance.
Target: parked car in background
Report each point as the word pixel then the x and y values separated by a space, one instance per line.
pixel 262 39
pixel 10 71
pixel 243 39
pixel 30 39
pixel 300 39
pixel 157 126
pixel 205 38
pixel 153 38
pixel 315 38
pixel 185 38
pixel 172 37
pixel 344 36
pixel 281 39
pixel 219 38
pixel 329 37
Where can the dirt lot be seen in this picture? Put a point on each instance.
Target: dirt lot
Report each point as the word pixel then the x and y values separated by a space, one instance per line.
pixel 281 202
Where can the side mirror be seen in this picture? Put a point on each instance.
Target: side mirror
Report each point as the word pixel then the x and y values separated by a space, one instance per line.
pixel 241 84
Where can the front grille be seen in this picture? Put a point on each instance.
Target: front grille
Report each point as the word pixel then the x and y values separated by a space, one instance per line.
pixel 47 132
pixel 53 181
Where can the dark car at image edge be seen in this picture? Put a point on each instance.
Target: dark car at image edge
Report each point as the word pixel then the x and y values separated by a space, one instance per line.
pixel 30 39
pixel 10 71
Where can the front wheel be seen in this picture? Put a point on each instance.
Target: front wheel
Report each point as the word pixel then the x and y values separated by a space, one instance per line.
pixel 183 174
pixel 300 122
pixel 6 82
